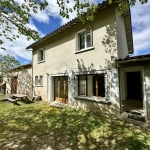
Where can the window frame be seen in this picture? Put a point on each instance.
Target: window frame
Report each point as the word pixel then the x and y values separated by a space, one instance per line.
pixel 41 80
pixel 78 40
pixel 36 80
pixel 38 84
pixel 86 84
pixel 39 60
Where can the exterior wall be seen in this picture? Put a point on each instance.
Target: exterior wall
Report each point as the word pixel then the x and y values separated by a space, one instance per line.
pixel 147 87
pixel 60 55
pixel 121 36
pixel 144 67
pixel 24 81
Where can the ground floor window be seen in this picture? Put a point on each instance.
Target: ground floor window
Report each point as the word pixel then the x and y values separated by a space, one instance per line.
pixel 91 85
pixel 39 80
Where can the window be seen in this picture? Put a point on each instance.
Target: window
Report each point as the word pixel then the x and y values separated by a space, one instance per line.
pixel 41 80
pixel 38 80
pixel 41 55
pixel 82 85
pixel 84 39
pixel 91 85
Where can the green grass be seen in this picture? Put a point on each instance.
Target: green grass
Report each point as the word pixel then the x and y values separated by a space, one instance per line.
pixel 39 126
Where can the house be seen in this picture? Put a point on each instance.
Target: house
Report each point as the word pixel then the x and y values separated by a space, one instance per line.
pixel 134 75
pixel 19 80
pixel 75 64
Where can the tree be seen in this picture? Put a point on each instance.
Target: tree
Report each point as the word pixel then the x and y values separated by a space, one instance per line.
pixel 82 6
pixel 9 69
pixel 15 16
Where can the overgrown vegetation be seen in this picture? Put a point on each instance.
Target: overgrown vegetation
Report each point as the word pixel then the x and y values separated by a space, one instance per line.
pixel 39 126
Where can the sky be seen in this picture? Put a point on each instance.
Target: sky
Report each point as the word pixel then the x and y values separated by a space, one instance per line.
pixel 49 19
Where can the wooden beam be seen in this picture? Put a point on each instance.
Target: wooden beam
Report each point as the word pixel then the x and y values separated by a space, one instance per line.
pixel 64 89
pixel 58 87
pixel 86 85
pixel 54 88
pixel 96 85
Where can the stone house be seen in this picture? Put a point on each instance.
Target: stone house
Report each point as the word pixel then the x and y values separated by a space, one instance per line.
pixel 20 80
pixel 134 79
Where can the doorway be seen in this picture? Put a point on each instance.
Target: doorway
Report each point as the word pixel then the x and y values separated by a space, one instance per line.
pixel 61 89
pixel 131 89
pixel 134 86
pixel 14 85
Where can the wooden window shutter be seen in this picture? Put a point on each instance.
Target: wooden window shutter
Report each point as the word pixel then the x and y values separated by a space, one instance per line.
pixel 91 35
pixel 38 53
pixel 106 86
pixel 43 54
pixel 77 42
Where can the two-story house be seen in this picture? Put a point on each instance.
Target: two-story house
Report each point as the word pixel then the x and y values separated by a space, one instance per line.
pixel 75 64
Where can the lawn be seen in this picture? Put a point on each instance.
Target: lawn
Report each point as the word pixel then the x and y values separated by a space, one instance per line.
pixel 37 126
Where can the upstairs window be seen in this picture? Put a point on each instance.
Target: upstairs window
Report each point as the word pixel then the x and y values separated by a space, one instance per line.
pixel 84 39
pixel 41 55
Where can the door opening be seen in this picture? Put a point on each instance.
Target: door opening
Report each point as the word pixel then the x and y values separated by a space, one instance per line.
pixel 14 85
pixel 61 89
pixel 134 86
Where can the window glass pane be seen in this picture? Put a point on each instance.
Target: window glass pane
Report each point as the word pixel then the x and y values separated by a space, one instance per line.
pixel 88 39
pixel 101 85
pixel 41 80
pixel 56 86
pixel 62 87
pixel 82 41
pixel 41 55
pixel 82 85
pixel 90 85
pixel 36 80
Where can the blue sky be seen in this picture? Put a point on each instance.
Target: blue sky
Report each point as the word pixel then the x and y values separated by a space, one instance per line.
pixel 48 20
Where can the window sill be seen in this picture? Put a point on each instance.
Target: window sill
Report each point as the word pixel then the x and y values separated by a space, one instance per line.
pixel 93 99
pixel 83 50
pixel 38 85
pixel 41 61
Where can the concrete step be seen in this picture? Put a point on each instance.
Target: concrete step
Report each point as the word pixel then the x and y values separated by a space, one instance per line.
pixel 135 119
pixel 58 104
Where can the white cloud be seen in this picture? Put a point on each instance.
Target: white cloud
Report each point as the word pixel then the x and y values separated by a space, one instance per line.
pixel 141 27
pixel 17 48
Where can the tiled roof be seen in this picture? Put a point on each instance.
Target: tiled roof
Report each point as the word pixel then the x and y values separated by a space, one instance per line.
pixel 133 58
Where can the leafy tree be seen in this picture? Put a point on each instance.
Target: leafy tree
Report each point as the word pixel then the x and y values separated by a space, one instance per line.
pixel 15 16
pixel 82 6
pixel 9 68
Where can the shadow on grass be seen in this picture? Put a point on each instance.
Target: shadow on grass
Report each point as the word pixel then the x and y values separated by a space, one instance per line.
pixel 38 126
pixel 26 101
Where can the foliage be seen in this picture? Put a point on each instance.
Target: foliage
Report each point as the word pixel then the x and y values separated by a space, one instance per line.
pixel 39 126
pixel 9 67
pixel 15 16
pixel 82 6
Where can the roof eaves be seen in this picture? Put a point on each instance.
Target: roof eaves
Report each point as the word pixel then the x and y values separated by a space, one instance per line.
pixel 134 58
pixel 65 26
